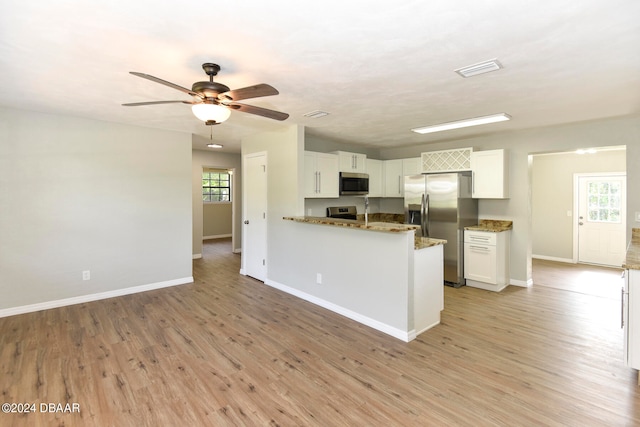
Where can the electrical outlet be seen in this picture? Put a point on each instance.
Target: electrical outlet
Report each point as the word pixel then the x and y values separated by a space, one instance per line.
pixel 86 275
pixel 319 278
pixel 637 216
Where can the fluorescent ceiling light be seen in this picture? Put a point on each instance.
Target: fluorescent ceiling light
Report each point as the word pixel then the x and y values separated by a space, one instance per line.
pixel 463 123
pixel 479 68
pixel 214 145
pixel 316 114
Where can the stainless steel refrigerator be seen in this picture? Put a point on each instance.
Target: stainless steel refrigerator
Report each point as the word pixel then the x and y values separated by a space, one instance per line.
pixel 442 206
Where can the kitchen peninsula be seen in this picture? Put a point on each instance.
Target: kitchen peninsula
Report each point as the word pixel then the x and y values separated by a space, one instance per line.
pixel 376 273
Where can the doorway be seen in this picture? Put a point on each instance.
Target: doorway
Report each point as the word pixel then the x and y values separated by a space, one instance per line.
pixel 556 217
pixel 554 205
pixel 218 207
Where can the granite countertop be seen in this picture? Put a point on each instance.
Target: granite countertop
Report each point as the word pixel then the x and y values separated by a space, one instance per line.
pixel 632 260
pixel 388 227
pixel 427 242
pixel 491 225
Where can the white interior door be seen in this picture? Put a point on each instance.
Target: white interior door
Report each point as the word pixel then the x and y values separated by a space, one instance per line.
pixel 254 205
pixel 602 219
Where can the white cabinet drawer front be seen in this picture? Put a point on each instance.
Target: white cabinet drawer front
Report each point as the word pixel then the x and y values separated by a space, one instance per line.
pixel 480 237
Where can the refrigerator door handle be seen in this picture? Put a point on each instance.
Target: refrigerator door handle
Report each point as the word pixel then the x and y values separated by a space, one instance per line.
pixel 424 215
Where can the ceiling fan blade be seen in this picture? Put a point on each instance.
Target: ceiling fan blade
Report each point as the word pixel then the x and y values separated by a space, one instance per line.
pixel 135 104
pixel 166 83
pixel 252 109
pixel 254 91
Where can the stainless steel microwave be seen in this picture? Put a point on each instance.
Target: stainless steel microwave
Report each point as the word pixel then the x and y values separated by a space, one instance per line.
pixel 354 184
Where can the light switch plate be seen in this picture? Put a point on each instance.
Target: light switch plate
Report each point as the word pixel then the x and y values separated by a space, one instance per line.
pixel 637 216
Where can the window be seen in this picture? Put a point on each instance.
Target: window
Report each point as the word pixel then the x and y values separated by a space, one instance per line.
pixel 604 201
pixel 216 186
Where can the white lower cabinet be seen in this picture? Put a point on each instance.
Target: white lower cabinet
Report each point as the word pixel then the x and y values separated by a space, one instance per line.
pixel 631 319
pixel 486 259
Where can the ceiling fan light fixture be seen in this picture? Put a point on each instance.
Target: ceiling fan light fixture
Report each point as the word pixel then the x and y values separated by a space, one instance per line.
pixel 211 112
pixel 501 117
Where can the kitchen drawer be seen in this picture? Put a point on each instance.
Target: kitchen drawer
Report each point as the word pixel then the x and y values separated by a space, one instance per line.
pixel 480 237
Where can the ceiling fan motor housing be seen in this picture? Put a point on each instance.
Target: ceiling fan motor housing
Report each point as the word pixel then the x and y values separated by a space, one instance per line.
pixel 209 89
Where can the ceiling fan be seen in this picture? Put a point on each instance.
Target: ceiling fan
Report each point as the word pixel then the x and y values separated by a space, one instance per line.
pixel 213 101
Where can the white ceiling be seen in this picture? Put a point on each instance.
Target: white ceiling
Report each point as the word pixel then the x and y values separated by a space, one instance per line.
pixel 379 68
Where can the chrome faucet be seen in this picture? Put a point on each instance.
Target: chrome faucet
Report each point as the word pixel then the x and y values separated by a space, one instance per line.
pixel 366 210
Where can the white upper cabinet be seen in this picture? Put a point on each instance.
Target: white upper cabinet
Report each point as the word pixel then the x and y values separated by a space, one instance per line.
pixel 490 174
pixel 393 178
pixel 320 175
pixel 412 166
pixel 352 162
pixel 374 169
pixel 394 172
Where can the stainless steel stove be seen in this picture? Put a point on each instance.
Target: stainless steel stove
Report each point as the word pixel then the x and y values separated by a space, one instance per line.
pixel 342 212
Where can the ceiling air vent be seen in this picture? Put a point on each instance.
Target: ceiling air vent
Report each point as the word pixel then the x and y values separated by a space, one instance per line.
pixel 316 114
pixel 479 68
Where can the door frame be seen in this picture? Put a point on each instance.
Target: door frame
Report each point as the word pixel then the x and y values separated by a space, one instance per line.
pixel 576 197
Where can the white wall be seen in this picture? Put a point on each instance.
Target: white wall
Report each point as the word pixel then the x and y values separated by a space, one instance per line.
pixel 616 131
pixel 285 197
pixel 200 159
pixel 79 195
pixel 552 188
pixel 354 281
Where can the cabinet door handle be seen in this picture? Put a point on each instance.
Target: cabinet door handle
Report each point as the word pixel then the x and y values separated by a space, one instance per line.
pixel 622 307
pixel 480 248
pixel 473 182
pixel 319 182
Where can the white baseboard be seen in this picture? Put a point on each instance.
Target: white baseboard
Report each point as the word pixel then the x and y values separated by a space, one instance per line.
pixel 521 283
pixel 552 258
pixel 415 334
pixel 217 236
pixel 197 256
pixel 405 336
pixel 92 297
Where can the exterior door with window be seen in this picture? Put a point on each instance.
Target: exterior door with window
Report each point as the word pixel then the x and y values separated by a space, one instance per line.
pixel 602 219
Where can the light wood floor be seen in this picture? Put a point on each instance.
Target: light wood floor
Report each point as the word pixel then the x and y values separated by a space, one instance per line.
pixel 228 350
